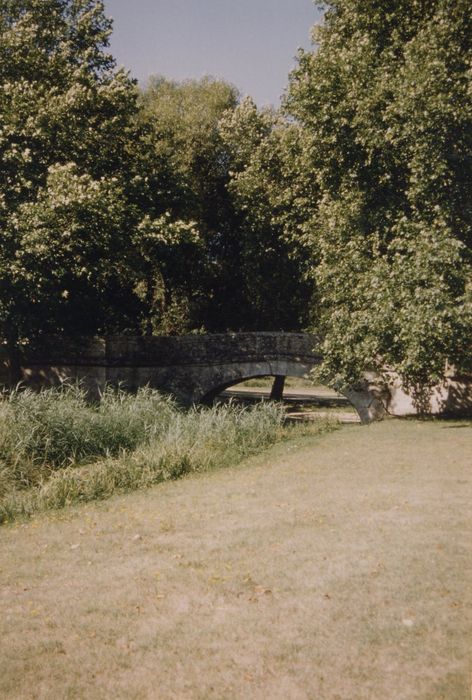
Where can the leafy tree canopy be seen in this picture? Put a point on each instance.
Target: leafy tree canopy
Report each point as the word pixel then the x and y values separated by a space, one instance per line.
pixel 65 118
pixel 181 119
pixel 77 186
pixel 274 198
pixel 386 101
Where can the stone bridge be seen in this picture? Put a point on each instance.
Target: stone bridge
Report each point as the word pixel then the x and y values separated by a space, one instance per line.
pixel 195 368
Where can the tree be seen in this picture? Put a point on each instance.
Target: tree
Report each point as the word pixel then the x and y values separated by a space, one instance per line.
pixel 386 101
pixel 65 120
pixel 182 121
pixel 70 247
pixel 236 177
pixel 164 247
pixel 79 188
pixel 273 198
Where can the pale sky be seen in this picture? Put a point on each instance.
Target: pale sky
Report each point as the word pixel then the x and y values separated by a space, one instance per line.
pixel 250 43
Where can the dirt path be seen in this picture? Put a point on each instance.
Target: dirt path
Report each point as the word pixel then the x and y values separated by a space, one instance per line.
pixel 335 568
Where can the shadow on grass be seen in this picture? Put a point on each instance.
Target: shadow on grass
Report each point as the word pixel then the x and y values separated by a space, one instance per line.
pixel 453 427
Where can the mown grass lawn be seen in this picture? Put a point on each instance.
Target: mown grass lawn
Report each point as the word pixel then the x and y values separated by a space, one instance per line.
pixel 333 567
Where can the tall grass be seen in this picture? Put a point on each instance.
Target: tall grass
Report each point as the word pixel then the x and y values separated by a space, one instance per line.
pixel 56 449
pixel 45 431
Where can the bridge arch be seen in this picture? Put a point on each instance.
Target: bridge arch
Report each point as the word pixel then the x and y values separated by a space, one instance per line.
pixel 367 405
pixel 239 373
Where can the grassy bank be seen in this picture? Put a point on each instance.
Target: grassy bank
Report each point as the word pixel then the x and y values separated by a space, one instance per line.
pixel 57 449
pixel 330 567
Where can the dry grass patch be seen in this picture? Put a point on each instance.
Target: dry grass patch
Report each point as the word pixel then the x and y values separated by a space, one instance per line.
pixel 330 567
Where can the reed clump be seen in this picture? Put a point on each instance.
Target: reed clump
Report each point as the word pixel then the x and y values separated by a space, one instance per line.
pixel 41 432
pixel 57 449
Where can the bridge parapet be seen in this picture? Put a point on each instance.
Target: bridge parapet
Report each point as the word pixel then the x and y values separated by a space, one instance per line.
pixel 167 351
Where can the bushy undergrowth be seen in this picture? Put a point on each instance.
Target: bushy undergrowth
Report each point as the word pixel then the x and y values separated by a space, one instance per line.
pixel 56 449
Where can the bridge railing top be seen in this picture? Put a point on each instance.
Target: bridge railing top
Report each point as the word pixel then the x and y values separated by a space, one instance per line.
pixel 171 350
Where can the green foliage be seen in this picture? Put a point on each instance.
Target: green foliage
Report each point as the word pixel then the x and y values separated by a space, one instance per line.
pixel 45 431
pixel 386 102
pixel 273 198
pixel 65 115
pixel 126 442
pixel 232 177
pixel 163 247
pixel 70 246
pixel 75 202
pixel 184 117
pixel 181 121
